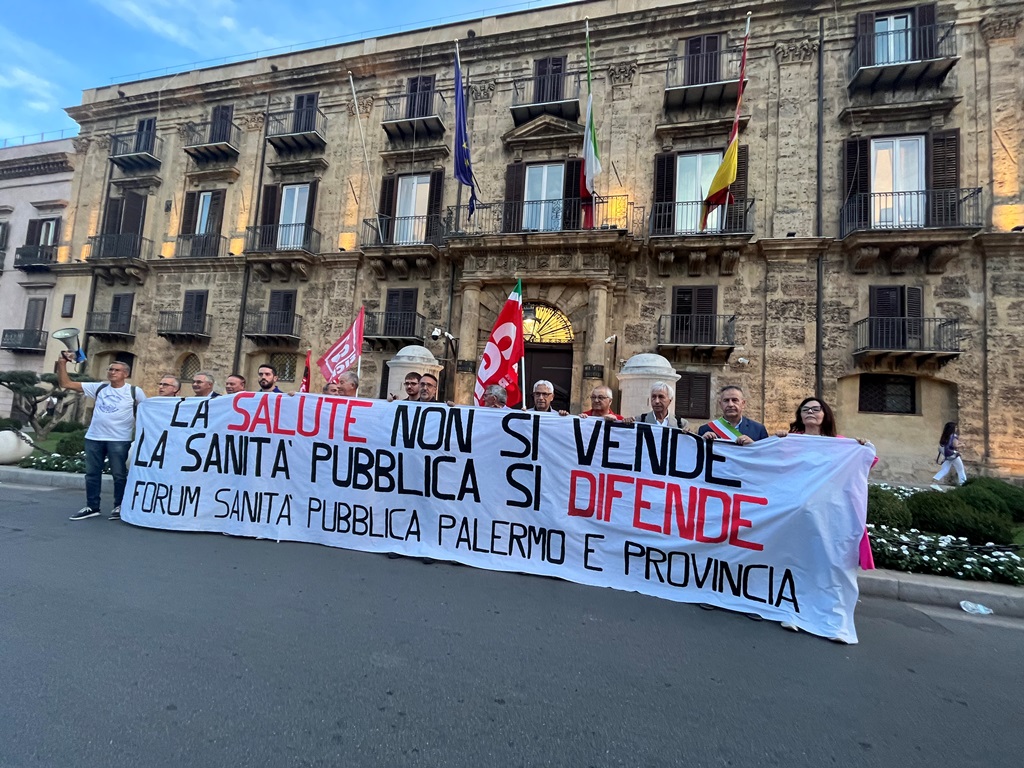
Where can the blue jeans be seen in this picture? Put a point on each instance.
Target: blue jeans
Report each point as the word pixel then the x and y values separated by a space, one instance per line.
pixel 96 451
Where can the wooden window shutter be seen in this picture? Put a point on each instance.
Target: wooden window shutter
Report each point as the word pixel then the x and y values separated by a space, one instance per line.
pixel 944 178
pixel 193 314
pixel 112 216
pixel 270 212
pixel 435 198
pixel 572 190
pixel 693 395
pixel 145 135
pixel 189 212
pixel 736 215
pixel 34 232
pixel 220 123
pixel 682 300
pixel 884 301
pixel 515 193
pixel 663 215
pixel 4 229
pixel 134 216
pixel 311 207
pixel 35 313
pixel 281 312
pixel 121 312
pixel 400 312
pixel 215 218
pixel 914 302
pixel 704 299
pixel 856 184
pixel 386 208
pixel 925 37
pixel 55 237
pixel 865 39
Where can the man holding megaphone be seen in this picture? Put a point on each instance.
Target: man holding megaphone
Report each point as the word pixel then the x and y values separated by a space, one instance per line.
pixel 110 431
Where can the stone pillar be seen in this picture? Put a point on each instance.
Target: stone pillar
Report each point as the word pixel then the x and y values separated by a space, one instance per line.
pixel 469 331
pixel 1000 31
pixel 636 378
pixel 412 358
pixel 597 330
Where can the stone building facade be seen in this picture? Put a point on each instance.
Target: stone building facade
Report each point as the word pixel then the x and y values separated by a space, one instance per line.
pixel 230 215
pixel 35 189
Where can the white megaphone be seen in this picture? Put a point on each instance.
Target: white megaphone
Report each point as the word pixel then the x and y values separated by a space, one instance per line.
pixel 69 338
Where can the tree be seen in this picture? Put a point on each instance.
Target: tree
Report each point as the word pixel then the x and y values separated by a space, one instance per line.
pixel 38 401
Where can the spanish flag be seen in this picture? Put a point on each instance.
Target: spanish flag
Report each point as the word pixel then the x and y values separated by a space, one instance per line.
pixel 718 195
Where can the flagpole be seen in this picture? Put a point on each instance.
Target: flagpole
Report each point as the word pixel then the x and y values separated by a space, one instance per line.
pixel 366 158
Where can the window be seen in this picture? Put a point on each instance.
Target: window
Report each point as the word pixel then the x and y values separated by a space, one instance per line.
pixel 220 123
pixel 411 219
pixel 896 313
pixel 693 395
pixel 145 135
pixel 4 229
pixel 681 181
pixel 304 116
pixel 410 209
pixel 421 97
pixel 892 38
pixel 35 314
pixel 549 79
pixel 701 63
pixel 123 222
pixel 201 222
pixel 286 215
pixel 281 314
pixel 897 36
pixel 887 394
pixel 43 232
pixel 897 182
pixel 193 314
pixel 693 315
pixel 121 313
pixel 284 364
pixel 542 209
pixel 543 197
pixel 400 312
pixel 190 366
pixel 67 306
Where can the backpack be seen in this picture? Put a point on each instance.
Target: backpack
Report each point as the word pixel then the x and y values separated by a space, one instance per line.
pixel 135 402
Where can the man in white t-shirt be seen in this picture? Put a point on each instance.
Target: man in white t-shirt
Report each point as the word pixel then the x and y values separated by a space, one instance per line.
pixel 110 431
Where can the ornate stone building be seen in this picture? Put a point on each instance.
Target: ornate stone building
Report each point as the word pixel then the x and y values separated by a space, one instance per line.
pixel 227 216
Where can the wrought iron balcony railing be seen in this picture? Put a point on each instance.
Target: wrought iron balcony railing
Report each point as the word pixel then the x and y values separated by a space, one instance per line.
pixel 907 334
pixel 121 246
pixel 285 325
pixel 411 114
pixel 297 129
pixel 24 340
pixel 110 324
pixel 925 209
pixel 211 141
pixel 35 257
pixel 697 330
pixel 183 324
pixel 138 151
pixel 556 94
pixel 394 325
pixel 201 246
pixel 402 230
pixel 669 219
pixel 903 46
pixel 571 214
pixel 275 238
pixel 693 69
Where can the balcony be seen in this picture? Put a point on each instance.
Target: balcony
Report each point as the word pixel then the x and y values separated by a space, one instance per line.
pixel 616 214
pixel 136 151
pixel 282 238
pixel 206 142
pixel 402 231
pixel 295 130
pixel 925 209
pixel 921 339
pixel 112 326
pixel 557 95
pixel 694 80
pixel 903 58
pixel 121 246
pixel 183 326
pixel 683 219
pixel 35 258
pixel 413 115
pixel 281 328
pixel 200 246
pixel 24 340
pixel 708 334
pixel 397 328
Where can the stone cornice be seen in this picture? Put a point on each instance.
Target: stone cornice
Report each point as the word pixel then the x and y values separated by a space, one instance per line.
pixel 1000 26
pixel 1001 243
pixel 913 110
pixel 785 248
pixel 37 165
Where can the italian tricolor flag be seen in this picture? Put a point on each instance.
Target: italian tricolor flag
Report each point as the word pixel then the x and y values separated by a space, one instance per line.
pixel 591 159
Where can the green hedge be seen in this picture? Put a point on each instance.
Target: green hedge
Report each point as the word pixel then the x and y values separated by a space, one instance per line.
pixel 950 514
pixel 69 426
pixel 886 508
pixel 72 444
pixel 1010 496
pixel 6 424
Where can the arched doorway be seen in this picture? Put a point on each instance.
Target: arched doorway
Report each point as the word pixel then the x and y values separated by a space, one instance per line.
pixel 548 335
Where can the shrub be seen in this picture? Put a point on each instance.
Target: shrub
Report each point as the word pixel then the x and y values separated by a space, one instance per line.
pixel 6 423
pixel 72 444
pixel 948 514
pixel 982 499
pixel 887 508
pixel 917 552
pixel 69 426
pixel 1011 495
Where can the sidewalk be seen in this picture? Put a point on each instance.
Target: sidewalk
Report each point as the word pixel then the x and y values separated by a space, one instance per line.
pixel 1003 599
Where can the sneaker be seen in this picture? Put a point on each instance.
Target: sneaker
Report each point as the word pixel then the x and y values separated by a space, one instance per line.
pixel 706 606
pixel 115 514
pixel 85 513
pixel 754 617
pixel 790 627
pixel 935 487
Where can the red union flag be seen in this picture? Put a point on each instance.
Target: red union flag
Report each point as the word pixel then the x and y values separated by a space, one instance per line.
pixel 346 350
pixel 500 361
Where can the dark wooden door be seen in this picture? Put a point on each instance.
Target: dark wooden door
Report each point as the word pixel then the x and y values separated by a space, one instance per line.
pixel 554 363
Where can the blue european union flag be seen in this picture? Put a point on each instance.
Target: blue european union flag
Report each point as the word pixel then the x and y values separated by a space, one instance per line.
pixel 463 163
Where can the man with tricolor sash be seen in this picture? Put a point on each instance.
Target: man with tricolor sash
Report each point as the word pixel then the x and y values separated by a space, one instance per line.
pixel 733 426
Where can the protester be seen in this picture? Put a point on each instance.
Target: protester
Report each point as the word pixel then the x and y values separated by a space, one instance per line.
pixel 234 384
pixel 169 386
pixel 203 383
pixel 543 396
pixel 267 375
pixel 949 455
pixel 601 405
pixel 332 388
pixel 348 384
pixel 495 396
pixel 110 431
pixel 411 385
pixel 428 388
pixel 733 426
pixel 661 408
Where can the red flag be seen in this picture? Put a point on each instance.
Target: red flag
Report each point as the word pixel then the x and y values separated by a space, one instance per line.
pixel 345 351
pixel 304 386
pixel 504 350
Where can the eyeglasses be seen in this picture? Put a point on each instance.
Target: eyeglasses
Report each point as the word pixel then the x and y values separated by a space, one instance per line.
pixel 166 384
pixel 811 409
pixel 543 394
pixel 600 397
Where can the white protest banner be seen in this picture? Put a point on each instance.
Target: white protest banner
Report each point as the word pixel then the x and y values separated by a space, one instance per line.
pixel 771 528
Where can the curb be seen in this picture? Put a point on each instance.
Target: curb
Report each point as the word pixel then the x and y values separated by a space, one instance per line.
pixel 1003 599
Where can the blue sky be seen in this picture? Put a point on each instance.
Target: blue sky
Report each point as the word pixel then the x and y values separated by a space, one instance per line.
pixel 53 50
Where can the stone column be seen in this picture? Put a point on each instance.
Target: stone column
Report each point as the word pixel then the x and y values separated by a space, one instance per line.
pixel 469 331
pixel 597 330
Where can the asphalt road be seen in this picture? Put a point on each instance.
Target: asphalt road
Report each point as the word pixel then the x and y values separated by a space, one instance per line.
pixel 121 646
